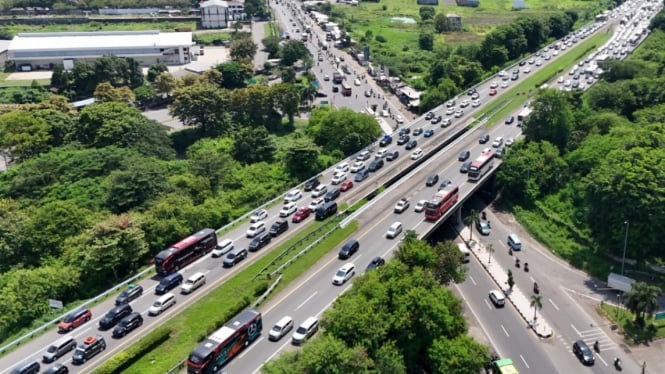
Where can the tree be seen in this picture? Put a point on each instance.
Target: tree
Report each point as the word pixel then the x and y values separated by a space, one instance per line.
pixel 235 74
pixel 286 98
pixel 59 78
pixel 342 129
pixel 441 23
pixel 203 106
pixel 210 159
pixel 133 187
pixel 156 69
pixel 536 304
pixel 550 119
pixel 164 83
pixel 426 40
pixel 271 45
pixel 511 280
pixel 642 300
pixel 301 157
pixel 243 47
pixel 471 220
pixel 443 261
pixel 292 51
pixel 105 93
pixel 253 145
pixel 22 136
pixel 426 13
pixel 288 74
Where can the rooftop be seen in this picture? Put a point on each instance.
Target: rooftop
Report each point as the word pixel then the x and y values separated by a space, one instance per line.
pixel 54 41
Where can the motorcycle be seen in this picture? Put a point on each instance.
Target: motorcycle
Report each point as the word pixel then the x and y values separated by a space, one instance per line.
pixel 517 262
pixel 617 364
pixel 526 266
pixel 536 289
pixel 596 347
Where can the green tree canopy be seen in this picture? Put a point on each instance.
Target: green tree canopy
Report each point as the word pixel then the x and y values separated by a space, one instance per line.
pixel 550 120
pixel 22 136
pixel 203 106
pixel 343 130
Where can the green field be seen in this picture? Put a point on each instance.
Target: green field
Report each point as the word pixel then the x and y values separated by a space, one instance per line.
pixel 166 26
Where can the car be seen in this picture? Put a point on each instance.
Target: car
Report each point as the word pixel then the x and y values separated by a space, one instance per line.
pixel 316 203
pixel 401 205
pixel 432 180
pixel 368 93
pixel 356 82
pixel 258 215
pixel 399 119
pixel 583 352
pixel 342 166
pixel 381 153
pixel 464 103
pixel 128 324
pixel 255 229
pixel 445 184
pixel 361 175
pixel 404 131
pixel 492 91
pixel 446 122
pixel 363 156
pixel 498 142
pixel 465 167
pixel 464 155
pixel 450 103
pixel 376 263
pixel 74 319
pixel 494 84
pixel 374 165
pixel 504 84
pixel 332 194
pixel 509 120
pixel 483 227
pixel 514 77
pixel 420 206
pixel 411 144
pixel 394 230
pixel 301 214
pixel 403 139
pixel 436 120
pixel 522 63
pixel 539 62
pixel 450 111
pixel 320 190
pixel 475 103
pixel 428 133
pixel 509 142
pixel 459 113
pixel 531 61
pixel 527 70
pixel 357 166
pixel 475 95
pixel 471 91
pixel 417 131
pixel 113 316
pixel 385 141
pixel 560 80
pixel 293 195
pixel 288 209
pixel 320 57
pixel 133 292
pixel 500 152
pixel 497 298
pixel 346 185
pixel 392 155
pixel 484 138
pixel 417 154
pixel 344 274
pixel 326 77
pixel 429 116
pixel 57 369
pixel 234 257
pixel 311 184
pixel 338 178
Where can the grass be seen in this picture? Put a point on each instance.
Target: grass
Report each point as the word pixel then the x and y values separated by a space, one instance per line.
pixel 212 38
pixel 166 26
pixel 625 321
pixel 189 325
pixel 516 95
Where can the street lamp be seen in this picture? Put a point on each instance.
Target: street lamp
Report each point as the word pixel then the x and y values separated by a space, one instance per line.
pixel 625 245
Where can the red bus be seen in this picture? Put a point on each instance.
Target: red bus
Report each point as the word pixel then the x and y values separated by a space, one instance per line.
pixel 225 343
pixel 441 202
pixel 346 89
pixel 185 251
pixel 481 165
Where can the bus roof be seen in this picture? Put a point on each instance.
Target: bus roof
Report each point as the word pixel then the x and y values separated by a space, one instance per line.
pixel 442 194
pixel 227 331
pixel 480 161
pixel 505 366
pixel 192 239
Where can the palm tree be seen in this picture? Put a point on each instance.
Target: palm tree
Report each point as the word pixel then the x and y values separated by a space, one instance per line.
pixel 490 249
pixel 472 219
pixel 536 303
pixel 642 300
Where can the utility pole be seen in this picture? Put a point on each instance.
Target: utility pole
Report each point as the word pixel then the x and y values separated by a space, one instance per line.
pixel 625 245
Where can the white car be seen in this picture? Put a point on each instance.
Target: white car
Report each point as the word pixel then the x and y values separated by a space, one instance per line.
pixel 498 142
pixel 399 119
pixel 459 113
pixel 394 230
pixel 356 82
pixel 344 274
pixel 475 103
pixel 255 229
pixel 450 111
pixel 358 166
pixel 288 209
pixel 560 80
pixel 495 84
pixel 497 298
pixel 293 195
pixel 527 70
pixel 258 215
pixel 464 104
pixel 538 62
pixel 316 203
pixel 320 190
pixel 417 154
pixel 401 205
pixel 420 206
pixel 326 77
pixel 343 166
pixel 504 84
pixel 509 142
pixel 381 153
pixel 338 178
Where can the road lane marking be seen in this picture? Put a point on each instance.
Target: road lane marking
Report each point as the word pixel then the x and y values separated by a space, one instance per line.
pixel 524 361
pixel 251 346
pixel 553 304
pixel 271 357
pixel 576 330
pixel 601 359
pixel 488 304
pixel 474 282
pixel 306 300
pixel 504 331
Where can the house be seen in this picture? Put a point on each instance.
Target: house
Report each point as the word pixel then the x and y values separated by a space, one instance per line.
pixel 455 21
pixel 219 14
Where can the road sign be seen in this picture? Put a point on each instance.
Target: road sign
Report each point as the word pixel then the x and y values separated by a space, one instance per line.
pixel 660 315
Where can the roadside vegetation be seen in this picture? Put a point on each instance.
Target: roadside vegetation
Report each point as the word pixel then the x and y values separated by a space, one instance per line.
pixel 591 166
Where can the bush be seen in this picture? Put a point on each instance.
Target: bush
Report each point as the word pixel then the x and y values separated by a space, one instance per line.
pixel 123 360
pixel 381 39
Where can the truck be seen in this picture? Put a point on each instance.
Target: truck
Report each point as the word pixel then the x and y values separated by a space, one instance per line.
pixel 386 140
pixel 338 77
pixel 619 282
pixel 504 366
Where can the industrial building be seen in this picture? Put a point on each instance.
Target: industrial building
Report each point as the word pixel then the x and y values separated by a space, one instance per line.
pixel 43 50
pixel 219 14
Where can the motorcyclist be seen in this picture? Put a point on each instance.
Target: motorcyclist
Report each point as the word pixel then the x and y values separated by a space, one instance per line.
pixel 596 346
pixel 517 262
pixel 526 266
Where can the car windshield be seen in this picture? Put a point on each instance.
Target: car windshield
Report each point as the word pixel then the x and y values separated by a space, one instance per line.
pixel 340 273
pixel 157 304
pixel 52 349
pixel 231 256
pixel 124 293
pixel 277 328
pixel 301 330
pixel 70 318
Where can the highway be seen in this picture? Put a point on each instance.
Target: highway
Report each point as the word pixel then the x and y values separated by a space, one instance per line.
pixel 375 220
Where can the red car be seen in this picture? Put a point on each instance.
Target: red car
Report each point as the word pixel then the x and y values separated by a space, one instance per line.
pixel 301 214
pixel 346 185
pixel 492 91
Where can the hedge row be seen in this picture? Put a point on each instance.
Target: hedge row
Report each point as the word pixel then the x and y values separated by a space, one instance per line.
pixel 123 360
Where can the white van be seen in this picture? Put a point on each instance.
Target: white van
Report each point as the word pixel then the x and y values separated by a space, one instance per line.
pixel 292 196
pixel 281 328
pixel 195 281
pixel 465 252
pixel 222 248
pixel 514 242
pixel 305 330
pixel 164 302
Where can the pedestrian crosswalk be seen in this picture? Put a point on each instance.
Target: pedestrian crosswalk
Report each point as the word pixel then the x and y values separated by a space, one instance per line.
pixel 589 336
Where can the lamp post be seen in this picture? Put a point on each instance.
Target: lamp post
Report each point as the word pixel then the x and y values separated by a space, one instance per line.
pixel 625 245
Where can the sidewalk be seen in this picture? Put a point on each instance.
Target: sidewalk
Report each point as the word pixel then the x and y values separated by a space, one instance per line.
pixel 520 300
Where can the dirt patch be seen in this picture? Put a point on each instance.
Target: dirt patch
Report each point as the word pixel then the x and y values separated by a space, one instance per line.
pixel 29 75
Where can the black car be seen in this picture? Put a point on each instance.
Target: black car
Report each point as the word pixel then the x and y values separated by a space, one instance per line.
pixel 432 180
pixel 464 155
pixel 375 165
pixel 583 352
pixel 484 138
pixel 348 249
pixel 404 131
pixel 445 183
pixel 514 77
pixel 465 167
pixel 385 141
pixel 403 139
pixel 436 119
pixel 127 325
pixel 417 131
pixel 278 227
pixel 332 194
pixel 392 155
pixel 429 116
pixel 376 263
pixel 509 120
pixel 132 293
pixel 361 175
pixel 522 63
pixel 412 144
pixel 311 184
pixel 57 369
pixel 500 152
pixel 113 316
pixel 471 91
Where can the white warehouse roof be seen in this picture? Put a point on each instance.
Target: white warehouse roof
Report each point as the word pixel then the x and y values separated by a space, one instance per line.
pixel 98 40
